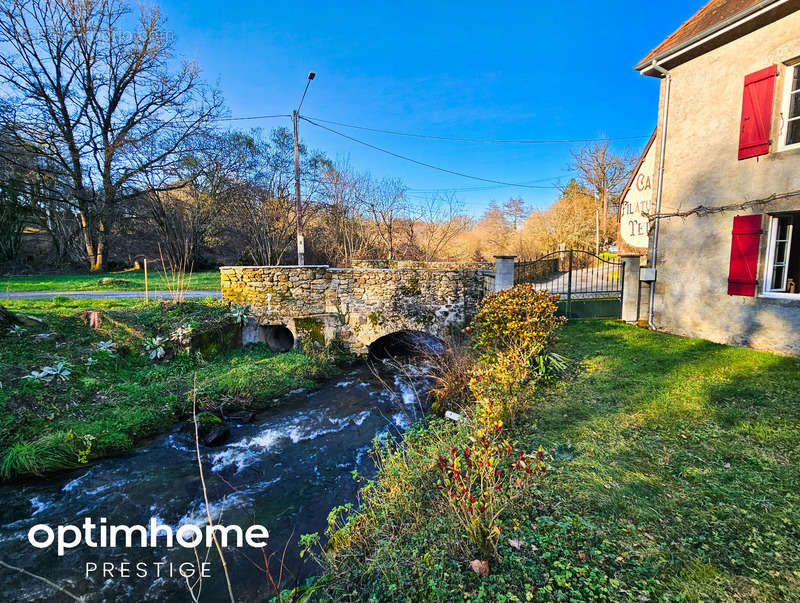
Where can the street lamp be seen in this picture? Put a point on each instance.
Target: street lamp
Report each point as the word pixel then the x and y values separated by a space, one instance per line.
pixel 298 204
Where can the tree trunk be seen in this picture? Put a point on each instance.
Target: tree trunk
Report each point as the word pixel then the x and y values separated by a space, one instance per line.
pixel 88 241
pixel 99 264
pixel 605 215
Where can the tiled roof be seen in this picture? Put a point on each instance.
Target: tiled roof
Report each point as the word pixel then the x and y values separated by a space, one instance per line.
pixel 707 17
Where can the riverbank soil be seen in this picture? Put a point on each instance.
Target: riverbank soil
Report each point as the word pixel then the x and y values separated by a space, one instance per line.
pixel 78 385
pixel 674 474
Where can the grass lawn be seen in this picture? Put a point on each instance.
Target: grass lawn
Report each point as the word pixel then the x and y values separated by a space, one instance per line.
pixel 109 403
pixel 675 475
pixel 132 280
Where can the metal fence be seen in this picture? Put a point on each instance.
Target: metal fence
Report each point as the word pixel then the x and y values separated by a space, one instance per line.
pixel 590 286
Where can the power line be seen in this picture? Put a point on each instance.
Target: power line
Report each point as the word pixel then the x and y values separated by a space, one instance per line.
pixel 252 117
pixel 422 163
pixel 480 140
pixel 469 189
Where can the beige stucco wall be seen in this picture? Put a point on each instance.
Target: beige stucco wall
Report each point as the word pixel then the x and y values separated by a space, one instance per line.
pixel 701 168
pixel 633 223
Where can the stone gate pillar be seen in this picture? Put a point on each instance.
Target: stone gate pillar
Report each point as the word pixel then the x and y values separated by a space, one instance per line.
pixel 630 291
pixel 503 272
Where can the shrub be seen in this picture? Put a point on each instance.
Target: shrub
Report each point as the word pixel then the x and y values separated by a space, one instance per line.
pixel 520 318
pixel 478 483
pixel 500 386
pixel 451 370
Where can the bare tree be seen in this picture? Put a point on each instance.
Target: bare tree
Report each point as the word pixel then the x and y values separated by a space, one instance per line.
pixel 31 197
pixel 16 201
pixel 193 216
pixel 604 173
pixel 343 226
pixel 264 199
pixel 386 203
pixel 101 102
pixel 440 220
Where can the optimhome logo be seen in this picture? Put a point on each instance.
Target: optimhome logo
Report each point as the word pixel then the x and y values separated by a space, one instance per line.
pixel 101 535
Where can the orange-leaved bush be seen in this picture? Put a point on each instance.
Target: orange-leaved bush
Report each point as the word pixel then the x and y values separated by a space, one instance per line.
pixel 500 386
pixel 519 318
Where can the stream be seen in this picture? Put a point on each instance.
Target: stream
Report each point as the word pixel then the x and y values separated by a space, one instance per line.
pixel 284 470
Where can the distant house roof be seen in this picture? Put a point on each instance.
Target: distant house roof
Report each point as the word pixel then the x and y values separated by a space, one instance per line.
pixel 717 23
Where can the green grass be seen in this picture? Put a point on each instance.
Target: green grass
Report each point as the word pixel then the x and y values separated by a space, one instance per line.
pixel 131 280
pixel 109 406
pixel 675 475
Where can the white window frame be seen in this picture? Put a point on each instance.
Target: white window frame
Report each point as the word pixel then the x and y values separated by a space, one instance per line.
pixel 783 129
pixel 769 265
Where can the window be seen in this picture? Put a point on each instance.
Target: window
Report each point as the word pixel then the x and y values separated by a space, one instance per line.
pixel 790 113
pixel 782 275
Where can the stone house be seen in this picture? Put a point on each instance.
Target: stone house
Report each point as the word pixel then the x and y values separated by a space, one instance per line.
pixel 723 257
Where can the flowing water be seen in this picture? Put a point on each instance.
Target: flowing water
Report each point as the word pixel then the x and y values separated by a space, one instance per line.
pixel 284 470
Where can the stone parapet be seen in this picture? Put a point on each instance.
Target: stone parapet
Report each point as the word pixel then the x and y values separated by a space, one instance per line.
pixel 356 305
pixel 399 264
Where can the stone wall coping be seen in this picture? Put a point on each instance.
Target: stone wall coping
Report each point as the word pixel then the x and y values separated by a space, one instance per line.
pixel 271 267
pixel 354 269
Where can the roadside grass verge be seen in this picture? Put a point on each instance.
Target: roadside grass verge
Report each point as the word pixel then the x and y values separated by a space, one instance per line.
pixel 128 280
pixel 110 403
pixel 674 475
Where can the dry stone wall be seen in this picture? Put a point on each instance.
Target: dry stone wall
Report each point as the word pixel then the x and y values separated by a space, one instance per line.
pixel 355 305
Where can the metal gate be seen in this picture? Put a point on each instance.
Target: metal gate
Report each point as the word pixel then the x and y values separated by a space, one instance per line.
pixel 589 285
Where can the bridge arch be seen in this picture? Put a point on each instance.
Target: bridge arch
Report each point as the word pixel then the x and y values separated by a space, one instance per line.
pixel 405 342
pixel 278 338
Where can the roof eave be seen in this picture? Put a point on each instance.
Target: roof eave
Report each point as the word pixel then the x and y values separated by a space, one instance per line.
pixel 645 67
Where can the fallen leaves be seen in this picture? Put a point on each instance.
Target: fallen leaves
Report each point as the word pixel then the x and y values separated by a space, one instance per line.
pixel 479 567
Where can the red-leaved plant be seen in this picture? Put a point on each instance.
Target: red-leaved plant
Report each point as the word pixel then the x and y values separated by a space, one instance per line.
pixel 479 480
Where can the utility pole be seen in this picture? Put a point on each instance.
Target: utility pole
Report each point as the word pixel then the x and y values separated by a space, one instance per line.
pixel 301 252
pixel 298 204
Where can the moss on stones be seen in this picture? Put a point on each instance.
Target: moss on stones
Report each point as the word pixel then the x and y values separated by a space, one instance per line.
pixel 411 287
pixel 312 328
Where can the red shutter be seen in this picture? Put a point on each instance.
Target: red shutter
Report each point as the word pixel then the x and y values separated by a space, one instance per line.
pixel 744 255
pixel 759 88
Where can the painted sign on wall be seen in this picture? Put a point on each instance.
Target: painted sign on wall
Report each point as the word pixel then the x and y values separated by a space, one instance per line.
pixel 636 200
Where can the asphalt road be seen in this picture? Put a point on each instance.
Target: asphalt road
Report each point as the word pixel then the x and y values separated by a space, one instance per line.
pixel 586 282
pixel 103 294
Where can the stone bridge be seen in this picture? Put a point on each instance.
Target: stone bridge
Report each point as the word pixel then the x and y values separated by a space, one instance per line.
pixel 358 305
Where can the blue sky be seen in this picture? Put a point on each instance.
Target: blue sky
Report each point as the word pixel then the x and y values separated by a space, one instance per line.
pixel 478 70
